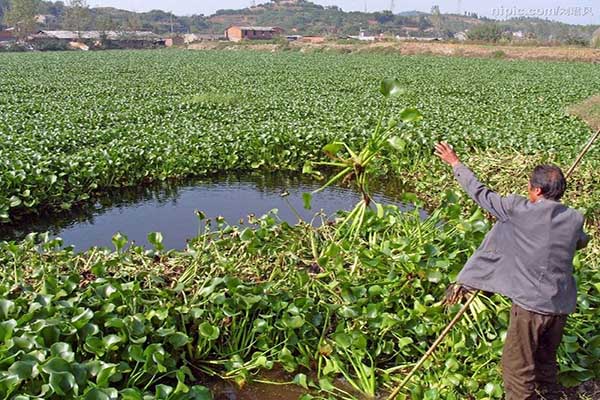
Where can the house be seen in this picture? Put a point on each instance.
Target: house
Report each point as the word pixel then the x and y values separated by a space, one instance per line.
pixel 418 39
pixel 313 39
pixel 239 33
pixel 362 36
pixel 202 37
pixel 121 39
pixel 175 41
pixel 46 19
pixel 7 35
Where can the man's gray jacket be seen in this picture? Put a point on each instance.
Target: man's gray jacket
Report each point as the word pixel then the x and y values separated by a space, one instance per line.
pixel 528 254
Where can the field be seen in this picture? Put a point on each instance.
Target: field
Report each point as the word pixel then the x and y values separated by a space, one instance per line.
pixel 317 302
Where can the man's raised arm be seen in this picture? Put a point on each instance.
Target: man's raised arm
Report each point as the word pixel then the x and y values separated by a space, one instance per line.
pixel 489 200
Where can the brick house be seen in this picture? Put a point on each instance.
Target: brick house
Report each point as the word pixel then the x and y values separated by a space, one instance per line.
pixel 6 36
pixel 239 33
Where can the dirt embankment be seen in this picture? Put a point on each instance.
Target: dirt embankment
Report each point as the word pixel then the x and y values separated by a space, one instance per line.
pixel 435 48
pixel 589 111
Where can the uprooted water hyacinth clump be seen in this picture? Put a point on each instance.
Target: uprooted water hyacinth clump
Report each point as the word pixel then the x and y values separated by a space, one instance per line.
pixel 143 323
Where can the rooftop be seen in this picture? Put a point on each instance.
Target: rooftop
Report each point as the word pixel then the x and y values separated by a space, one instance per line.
pixel 258 28
pixel 111 35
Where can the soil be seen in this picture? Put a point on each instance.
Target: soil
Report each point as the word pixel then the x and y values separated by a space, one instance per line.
pixel 513 52
pixel 586 391
pixel 589 111
pixel 223 390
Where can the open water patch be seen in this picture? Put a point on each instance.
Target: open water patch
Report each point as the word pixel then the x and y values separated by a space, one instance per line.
pixel 170 208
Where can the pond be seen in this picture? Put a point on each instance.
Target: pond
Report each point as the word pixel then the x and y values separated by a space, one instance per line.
pixel 170 208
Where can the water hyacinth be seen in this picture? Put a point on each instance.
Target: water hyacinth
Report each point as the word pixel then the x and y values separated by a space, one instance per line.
pixel 344 309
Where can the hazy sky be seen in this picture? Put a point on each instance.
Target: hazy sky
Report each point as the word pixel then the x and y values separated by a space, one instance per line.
pixel 571 11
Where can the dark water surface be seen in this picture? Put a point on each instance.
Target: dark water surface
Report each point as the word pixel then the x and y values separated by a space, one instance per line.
pixel 170 208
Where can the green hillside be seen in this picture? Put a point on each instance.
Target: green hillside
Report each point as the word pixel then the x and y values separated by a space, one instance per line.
pixel 304 17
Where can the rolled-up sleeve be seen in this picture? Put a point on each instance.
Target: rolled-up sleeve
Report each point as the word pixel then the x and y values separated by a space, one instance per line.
pixel 489 200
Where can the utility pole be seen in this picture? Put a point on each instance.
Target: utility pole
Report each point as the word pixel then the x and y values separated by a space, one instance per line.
pixel 459 11
pixel 366 8
pixel 392 6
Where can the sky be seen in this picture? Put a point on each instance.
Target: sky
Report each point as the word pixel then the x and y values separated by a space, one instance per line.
pixel 570 11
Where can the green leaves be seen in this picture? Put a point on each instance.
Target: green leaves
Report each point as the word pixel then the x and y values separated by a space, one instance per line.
pixel 333 148
pixel 410 115
pixel 119 241
pixel 267 293
pixel 179 339
pixel 307 200
pixel 14 201
pixel 83 316
pixel 397 143
pixel 156 240
pixel 62 383
pixel 209 331
pixel 7 307
pixel 391 88
pixel 55 365
pixel 293 321
pixel 22 369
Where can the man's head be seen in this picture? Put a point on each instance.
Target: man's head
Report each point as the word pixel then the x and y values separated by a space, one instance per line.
pixel 547 181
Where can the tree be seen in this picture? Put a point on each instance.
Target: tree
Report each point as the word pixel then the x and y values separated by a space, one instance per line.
pixel 77 15
pixel 596 39
pixel 423 23
pixel 436 19
pixel 384 17
pixel 105 23
pixel 3 6
pixel 21 15
pixel 486 33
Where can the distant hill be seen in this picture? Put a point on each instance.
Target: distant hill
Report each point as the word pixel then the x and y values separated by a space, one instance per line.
pixel 305 17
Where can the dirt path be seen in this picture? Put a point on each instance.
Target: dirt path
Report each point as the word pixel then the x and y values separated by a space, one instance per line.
pixel 588 110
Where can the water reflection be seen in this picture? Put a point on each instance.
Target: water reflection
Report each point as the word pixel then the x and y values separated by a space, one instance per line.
pixel 169 208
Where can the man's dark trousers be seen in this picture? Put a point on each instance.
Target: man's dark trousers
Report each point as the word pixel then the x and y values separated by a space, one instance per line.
pixel 529 355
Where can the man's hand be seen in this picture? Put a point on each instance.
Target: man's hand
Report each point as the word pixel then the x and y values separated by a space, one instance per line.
pixel 444 151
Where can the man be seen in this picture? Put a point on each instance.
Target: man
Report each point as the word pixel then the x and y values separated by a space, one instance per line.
pixel 528 257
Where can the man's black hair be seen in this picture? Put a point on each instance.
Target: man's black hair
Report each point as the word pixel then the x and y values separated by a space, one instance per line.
pixel 551 180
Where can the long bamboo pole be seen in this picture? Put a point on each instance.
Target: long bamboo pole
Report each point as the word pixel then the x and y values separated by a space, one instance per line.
pixel 465 307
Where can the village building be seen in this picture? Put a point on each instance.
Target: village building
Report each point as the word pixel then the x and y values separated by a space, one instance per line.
pixel 117 39
pixel 46 19
pixel 7 35
pixel 239 33
pixel 174 41
pixel 202 37
pixel 365 37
